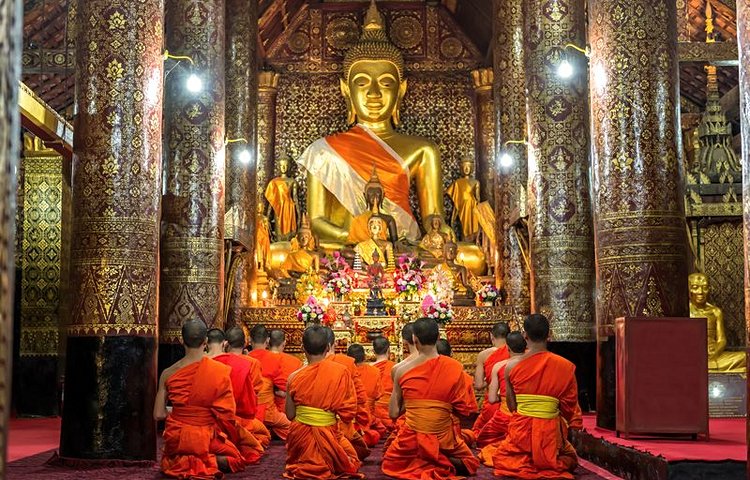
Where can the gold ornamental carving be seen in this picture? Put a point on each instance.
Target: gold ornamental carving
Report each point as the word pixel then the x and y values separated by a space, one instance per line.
pixel 406 32
pixel 342 33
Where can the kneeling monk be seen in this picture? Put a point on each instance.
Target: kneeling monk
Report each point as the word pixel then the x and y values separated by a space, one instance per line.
pixel 542 394
pixel 382 348
pixel 486 360
pixel 429 390
pixel 272 379
pixel 316 395
pixel 443 347
pixel 370 376
pixel 200 391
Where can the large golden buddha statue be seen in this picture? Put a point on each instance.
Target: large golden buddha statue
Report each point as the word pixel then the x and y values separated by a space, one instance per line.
pixel 339 165
pixel 719 360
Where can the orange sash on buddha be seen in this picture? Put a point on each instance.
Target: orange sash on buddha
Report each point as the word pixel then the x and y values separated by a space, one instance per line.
pixel 538 447
pixel 381 405
pixel 274 420
pixel 488 409
pixel 322 452
pixel 427 441
pixel 201 422
pixel 289 364
pixel 279 197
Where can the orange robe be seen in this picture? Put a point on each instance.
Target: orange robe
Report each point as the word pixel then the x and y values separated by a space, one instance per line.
pixel 279 196
pixel 373 388
pixel 427 441
pixel 495 430
pixel 352 430
pixel 381 405
pixel 322 452
pixel 537 447
pixel 196 431
pixel 245 376
pixel 275 420
pixel 289 364
pixel 471 399
pixel 489 409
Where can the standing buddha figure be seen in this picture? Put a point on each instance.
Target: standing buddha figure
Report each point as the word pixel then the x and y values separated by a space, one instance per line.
pixel 464 193
pixel 373 85
pixel 281 194
pixel 719 360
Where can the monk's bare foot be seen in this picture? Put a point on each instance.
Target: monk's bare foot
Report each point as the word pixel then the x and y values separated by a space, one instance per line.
pixel 461 469
pixel 223 464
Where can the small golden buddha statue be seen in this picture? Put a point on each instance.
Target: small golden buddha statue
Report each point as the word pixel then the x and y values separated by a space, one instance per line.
pixel 460 274
pixel 281 194
pixel 376 244
pixel 359 230
pixel 719 361
pixel 262 239
pixel 373 85
pixel 433 243
pixel 464 193
pixel 303 256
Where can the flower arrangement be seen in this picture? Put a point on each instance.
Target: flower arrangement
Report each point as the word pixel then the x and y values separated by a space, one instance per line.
pixel 311 311
pixel 439 310
pixel 308 285
pixel 441 285
pixel 339 285
pixel 488 293
pixel 339 280
pixel 408 277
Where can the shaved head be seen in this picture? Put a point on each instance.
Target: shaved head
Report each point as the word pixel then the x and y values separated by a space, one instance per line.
pixel 236 337
pixel 330 336
pixel 516 342
pixel 536 327
pixel 315 340
pixel 277 338
pixel 215 335
pixel 500 330
pixel 357 352
pixel 380 345
pixel 443 347
pixel 194 333
pixel 427 331
pixel 258 334
pixel 407 332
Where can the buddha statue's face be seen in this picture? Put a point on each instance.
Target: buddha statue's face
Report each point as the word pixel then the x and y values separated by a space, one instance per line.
pixel 304 237
pixel 374 196
pixel 374 90
pixel 467 168
pixel 449 251
pixel 284 166
pixel 436 223
pixel 698 285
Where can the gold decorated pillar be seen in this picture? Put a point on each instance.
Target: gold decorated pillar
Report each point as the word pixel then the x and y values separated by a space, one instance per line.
pixel 241 155
pixel 110 377
pixel 485 159
pixel 562 263
pixel 268 89
pixel 510 125
pixel 638 189
pixel 10 67
pixel 192 262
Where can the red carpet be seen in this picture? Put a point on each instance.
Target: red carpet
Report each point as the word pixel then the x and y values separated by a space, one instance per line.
pixel 25 433
pixel 727 442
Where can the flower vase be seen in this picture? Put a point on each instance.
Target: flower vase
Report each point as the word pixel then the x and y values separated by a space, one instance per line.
pixel 488 303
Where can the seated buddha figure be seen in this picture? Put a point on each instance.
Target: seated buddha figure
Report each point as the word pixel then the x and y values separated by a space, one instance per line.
pixel 459 273
pixel 431 245
pixel 719 360
pixel 337 166
pixel 302 255
pixel 360 230
pixel 376 244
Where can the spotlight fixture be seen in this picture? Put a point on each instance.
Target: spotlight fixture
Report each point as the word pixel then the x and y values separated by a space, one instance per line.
pixel 565 68
pixel 194 84
pixel 245 156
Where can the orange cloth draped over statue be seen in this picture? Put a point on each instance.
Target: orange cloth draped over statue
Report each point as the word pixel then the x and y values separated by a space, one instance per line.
pixel 279 196
pixel 274 420
pixel 488 409
pixel 381 405
pixel 538 447
pixel 289 364
pixel 196 431
pixel 352 430
pixel 322 452
pixel 246 379
pixel 373 388
pixel 495 430
pixel 427 440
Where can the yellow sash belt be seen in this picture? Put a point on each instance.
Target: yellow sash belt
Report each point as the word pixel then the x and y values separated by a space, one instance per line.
pixel 314 417
pixel 537 406
pixel 428 416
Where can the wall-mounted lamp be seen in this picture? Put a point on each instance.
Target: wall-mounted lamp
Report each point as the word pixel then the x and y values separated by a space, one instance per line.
pixel 244 154
pixel 506 159
pixel 194 82
pixel 565 68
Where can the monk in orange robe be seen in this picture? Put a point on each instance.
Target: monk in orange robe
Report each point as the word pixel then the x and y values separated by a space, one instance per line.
pixel 318 393
pixel 197 430
pixel 407 335
pixel 272 380
pixel 371 432
pixel 543 396
pixel 429 390
pixel 494 431
pixel 352 430
pixel 485 361
pixel 246 381
pixel 382 348
pixel 289 364
pixel 444 348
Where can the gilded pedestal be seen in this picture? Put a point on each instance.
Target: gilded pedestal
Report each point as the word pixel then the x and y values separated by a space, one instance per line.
pixel 638 193
pixel 510 124
pixel 268 89
pixel 562 263
pixel 192 263
pixel 10 54
pixel 110 378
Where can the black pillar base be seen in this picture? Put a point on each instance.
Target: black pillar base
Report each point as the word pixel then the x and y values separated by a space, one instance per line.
pixel 583 355
pixel 36 386
pixel 110 385
pixel 169 353
pixel 606 388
